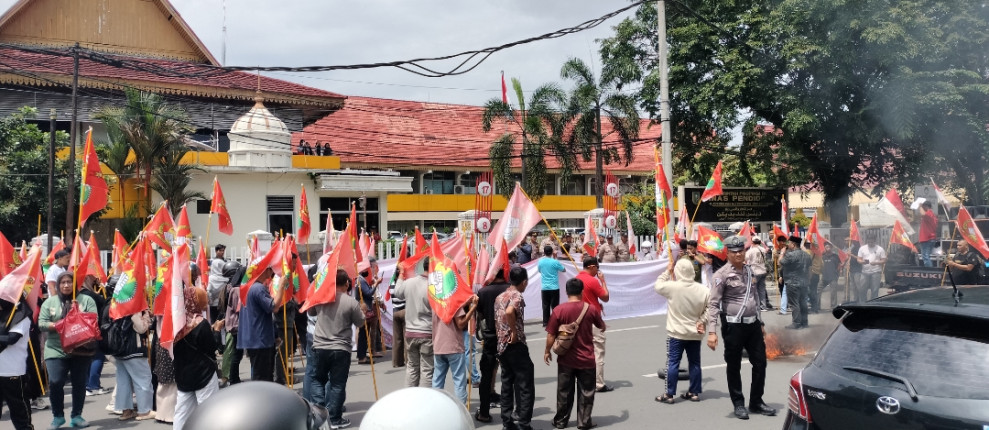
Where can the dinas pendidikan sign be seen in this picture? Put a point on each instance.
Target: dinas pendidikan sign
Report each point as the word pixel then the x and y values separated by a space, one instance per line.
pixel 736 204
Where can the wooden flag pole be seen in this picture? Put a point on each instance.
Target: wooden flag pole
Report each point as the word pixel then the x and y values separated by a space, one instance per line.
pixel 944 275
pixel 557 239
pixel 470 342
pixel 34 359
pixel 367 330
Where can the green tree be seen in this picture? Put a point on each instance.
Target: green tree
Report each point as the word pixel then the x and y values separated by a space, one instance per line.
pixel 589 99
pixel 539 126
pixel 172 177
pixel 641 206
pixel 151 127
pixel 24 176
pixel 854 94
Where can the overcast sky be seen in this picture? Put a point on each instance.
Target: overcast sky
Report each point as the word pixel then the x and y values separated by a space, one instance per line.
pixel 333 32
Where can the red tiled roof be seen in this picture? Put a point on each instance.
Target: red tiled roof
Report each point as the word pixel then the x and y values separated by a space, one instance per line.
pixel 372 132
pixel 161 76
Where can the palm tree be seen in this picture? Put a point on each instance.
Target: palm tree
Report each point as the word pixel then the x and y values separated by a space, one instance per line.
pixel 540 127
pixel 588 100
pixel 172 178
pixel 151 128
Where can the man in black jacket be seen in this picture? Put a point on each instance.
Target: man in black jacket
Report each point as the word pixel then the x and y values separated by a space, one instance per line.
pixel 489 344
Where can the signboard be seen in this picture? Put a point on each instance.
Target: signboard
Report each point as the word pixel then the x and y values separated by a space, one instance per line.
pixel 736 204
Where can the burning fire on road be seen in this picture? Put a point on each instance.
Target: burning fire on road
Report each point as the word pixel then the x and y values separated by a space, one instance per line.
pixel 786 343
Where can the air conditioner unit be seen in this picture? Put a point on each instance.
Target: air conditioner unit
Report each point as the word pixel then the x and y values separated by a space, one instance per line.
pixel 429 191
pixel 458 189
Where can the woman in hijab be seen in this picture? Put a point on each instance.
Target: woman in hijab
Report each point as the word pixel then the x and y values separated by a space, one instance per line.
pixel 59 363
pixel 13 361
pixel 195 362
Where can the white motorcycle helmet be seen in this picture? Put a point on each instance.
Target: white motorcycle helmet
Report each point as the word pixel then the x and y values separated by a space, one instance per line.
pixel 417 408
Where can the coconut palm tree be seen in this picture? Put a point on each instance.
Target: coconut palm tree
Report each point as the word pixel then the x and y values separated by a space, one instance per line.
pixel 539 127
pixel 589 99
pixel 171 178
pixel 151 127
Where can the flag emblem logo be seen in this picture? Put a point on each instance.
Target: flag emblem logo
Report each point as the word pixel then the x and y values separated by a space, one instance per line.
pixel 442 281
pixel 127 287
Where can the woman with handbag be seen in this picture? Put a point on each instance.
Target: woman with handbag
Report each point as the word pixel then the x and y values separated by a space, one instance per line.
pixel 195 365
pixel 61 363
pixel 133 369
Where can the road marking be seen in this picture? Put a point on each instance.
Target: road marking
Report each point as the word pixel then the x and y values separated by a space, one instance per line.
pixel 543 339
pixel 718 366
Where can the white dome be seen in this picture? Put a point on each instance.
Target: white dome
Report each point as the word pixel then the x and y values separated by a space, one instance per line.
pixel 259 118
pixel 260 139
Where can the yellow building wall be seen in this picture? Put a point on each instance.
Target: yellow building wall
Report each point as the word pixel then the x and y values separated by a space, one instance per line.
pixel 465 202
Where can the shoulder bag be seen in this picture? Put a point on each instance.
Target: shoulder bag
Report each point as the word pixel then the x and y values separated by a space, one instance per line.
pixel 566 334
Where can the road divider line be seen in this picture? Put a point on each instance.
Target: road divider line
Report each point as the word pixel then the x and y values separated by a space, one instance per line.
pixel 543 339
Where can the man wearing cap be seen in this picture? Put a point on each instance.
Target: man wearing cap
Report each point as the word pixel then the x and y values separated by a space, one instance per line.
pixel 607 252
pixel 755 258
pixel 622 248
pixel 548 241
pixel 735 307
pixel 795 267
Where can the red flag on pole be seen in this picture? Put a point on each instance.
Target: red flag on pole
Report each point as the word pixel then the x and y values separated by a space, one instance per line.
pixel 129 297
pixel 814 235
pixel 504 89
pixel 160 224
pixel 448 291
pixel 8 258
pixel 25 278
pixel 971 233
pixel 50 259
pixel 323 289
pixel 591 239
pixel 93 191
pixel 519 217
pixel 710 242
pixel 203 265
pixel 853 232
pixel 183 230
pixel 119 252
pixel 304 221
pixel 713 188
pixel 219 207
pixel 174 318
pixel 900 237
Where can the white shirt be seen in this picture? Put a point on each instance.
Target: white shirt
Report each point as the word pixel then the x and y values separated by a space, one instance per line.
pixel 755 257
pixel 870 254
pixel 53 273
pixel 13 359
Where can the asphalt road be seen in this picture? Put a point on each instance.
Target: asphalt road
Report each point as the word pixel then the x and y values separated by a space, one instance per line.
pixel 635 350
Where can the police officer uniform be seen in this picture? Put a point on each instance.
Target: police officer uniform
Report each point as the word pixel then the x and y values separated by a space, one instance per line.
pixel 735 306
pixel 624 256
pixel 607 252
pixel 548 241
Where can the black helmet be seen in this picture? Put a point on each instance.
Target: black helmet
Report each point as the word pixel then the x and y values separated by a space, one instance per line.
pixel 230 269
pixel 256 405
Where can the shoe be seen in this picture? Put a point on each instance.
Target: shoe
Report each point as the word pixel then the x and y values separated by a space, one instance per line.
pixel 39 404
pixel 340 424
pixel 97 392
pixel 762 409
pixel 127 415
pixel 770 307
pixel 605 389
pixel 475 384
pixel 378 355
pixel 741 413
pixel 364 361
pixel 148 416
pixel 484 418
pixel 589 426
pixel 794 327
pixel 78 423
pixel 57 423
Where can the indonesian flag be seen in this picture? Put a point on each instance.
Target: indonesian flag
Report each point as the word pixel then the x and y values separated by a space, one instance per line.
pixel 119 252
pixel 51 255
pixel 814 235
pixel 328 239
pixel 591 239
pixel 448 291
pixel 520 216
pixel 174 318
pixel 25 279
pixel 853 232
pixel 710 242
pixel 631 234
pixel 93 191
pixel 893 206
pixel 940 196
pixel 129 296
pixel 183 232
pixel 323 289
pixel 8 258
pixel 304 223
pixel 160 224
pixel 971 233
pixel 900 237
pixel 219 207
pixel 747 232
pixel 783 216
pixel 682 223
pixel 713 188
pixel 203 264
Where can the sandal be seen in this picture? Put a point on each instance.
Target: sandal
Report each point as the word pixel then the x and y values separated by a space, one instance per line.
pixel 665 398
pixel 690 396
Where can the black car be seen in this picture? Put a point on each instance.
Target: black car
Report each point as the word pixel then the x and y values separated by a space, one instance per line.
pixel 913 360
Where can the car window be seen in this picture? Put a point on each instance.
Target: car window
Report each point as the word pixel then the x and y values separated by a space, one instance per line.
pixel 942 356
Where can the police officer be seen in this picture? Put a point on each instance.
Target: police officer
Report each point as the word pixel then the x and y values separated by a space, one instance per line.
pixel 624 254
pixel 607 252
pixel 735 305
pixel 795 268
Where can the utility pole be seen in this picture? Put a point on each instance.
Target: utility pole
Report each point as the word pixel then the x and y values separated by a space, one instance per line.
pixel 664 98
pixel 51 177
pixel 598 162
pixel 70 201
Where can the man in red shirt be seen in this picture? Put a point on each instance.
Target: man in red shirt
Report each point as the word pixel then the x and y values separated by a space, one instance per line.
pixel 577 366
pixel 595 292
pixel 928 232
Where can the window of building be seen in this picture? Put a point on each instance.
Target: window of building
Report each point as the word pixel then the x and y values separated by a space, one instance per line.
pixel 281 214
pixel 439 182
pixel 576 186
pixel 339 209
pixel 203 206
pixel 414 174
pixel 550 189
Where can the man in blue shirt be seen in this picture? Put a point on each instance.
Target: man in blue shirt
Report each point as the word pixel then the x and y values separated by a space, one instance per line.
pixel 549 268
pixel 256 331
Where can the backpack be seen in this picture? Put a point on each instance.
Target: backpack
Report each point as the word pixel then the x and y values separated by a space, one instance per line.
pixel 567 333
pixel 121 340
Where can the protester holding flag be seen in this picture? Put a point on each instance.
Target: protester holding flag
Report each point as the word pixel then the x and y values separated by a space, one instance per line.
pixel 518 394
pixel 195 365
pixel 486 324
pixel 418 327
pixel 59 362
pixel 928 232
pixel 964 265
pixel 872 257
pixel 257 326
pixel 13 361
pixel 794 269
pixel 367 287
pixel 230 307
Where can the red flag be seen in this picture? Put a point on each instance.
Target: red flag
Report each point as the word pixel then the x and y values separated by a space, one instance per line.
pixel 421 244
pixel 348 253
pixel 203 265
pixel 182 228
pixel 300 282
pixel 483 262
pixel 256 268
pixel 504 89
pixel 448 291
pixel 364 252
pixel 814 235
pixel 777 232
pixel 93 191
pixel 713 188
pixel 900 237
pixel 454 248
pixel 748 233
pixel 281 264
pixel 119 252
pixel 853 232
pixel 255 249
pixel 78 253
pixel 506 262
pixel 304 222
pixel 403 250
pixel 520 216
pixel 26 278
pixel 8 259
pixel 971 233
pixel 23 254
pixel 160 224
pixel 710 242
pixel 663 195
pixel 591 239
pixel 90 263
pixel 328 240
pixel 842 255
pixel 51 255
pixel 129 296
pixel 323 289
pixel 174 318
pixel 219 207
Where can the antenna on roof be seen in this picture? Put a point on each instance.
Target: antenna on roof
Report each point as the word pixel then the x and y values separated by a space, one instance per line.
pixel 223 51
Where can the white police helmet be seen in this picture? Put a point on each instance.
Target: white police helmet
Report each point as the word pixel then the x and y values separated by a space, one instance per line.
pixel 417 408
